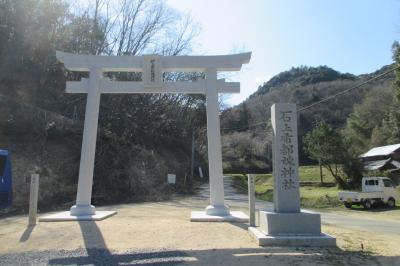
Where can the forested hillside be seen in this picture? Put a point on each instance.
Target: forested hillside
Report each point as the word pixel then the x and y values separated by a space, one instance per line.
pixel 247 129
pixel 141 138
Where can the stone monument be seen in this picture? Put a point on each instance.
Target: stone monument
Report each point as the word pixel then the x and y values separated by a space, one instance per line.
pixel 287 224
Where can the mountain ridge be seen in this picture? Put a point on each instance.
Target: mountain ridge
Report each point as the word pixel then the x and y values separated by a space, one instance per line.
pixel 302 76
pixel 246 126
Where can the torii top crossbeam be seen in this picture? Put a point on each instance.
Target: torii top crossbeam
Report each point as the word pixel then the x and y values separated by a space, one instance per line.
pixel 185 63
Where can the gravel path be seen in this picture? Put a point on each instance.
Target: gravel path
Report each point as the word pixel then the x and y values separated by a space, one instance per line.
pixel 95 257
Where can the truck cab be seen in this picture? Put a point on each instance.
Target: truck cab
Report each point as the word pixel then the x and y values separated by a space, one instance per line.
pixel 377 184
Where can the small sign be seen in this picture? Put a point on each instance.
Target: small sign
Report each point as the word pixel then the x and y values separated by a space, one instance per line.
pixel 171 179
pixel 200 172
pixel 152 74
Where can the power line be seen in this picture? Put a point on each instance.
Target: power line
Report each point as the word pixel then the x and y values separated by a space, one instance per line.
pixel 322 100
pixel 347 90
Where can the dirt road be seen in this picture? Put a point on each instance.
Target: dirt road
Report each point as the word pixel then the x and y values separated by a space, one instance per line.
pixel 161 234
pixel 381 221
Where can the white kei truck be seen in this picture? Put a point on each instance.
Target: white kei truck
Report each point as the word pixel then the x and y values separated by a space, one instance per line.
pixel 375 190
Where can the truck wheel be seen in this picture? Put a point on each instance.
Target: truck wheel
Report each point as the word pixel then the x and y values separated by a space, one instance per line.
pixel 391 203
pixel 347 205
pixel 367 204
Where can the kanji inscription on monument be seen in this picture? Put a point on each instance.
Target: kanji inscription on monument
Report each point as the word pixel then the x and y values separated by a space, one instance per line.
pixel 285 158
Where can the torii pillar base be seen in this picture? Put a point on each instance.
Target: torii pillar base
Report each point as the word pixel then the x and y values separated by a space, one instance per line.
pixel 218 214
pixel 234 217
pixel 83 210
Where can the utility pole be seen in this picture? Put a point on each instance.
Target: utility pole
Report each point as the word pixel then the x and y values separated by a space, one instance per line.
pixel 192 161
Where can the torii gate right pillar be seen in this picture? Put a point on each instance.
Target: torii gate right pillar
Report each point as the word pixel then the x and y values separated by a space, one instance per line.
pixel 217 205
pixel 217 210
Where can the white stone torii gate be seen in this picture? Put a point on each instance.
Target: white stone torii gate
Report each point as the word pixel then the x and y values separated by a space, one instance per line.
pixel 152 68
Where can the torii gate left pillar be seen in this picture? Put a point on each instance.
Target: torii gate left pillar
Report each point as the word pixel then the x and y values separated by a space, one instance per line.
pixel 152 68
pixel 86 167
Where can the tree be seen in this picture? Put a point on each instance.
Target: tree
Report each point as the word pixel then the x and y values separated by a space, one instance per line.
pixel 140 137
pixel 391 123
pixel 325 144
pixel 364 125
pixel 396 59
pixel 376 120
pixel 147 122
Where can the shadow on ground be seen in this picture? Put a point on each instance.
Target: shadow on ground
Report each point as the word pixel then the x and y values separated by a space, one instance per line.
pixel 27 233
pixel 97 253
pixel 244 256
pixel 379 208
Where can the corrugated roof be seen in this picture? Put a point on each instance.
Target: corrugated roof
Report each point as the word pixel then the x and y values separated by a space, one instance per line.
pixel 395 164
pixel 381 151
pixel 375 165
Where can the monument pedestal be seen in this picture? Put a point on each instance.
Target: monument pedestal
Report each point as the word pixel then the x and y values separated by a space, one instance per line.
pixel 291 229
pixel 302 223
pixel 321 240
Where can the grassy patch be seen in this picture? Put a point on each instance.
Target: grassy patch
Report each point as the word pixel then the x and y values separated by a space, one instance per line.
pixel 310 196
pixel 311 173
pixel 306 173
pixel 319 197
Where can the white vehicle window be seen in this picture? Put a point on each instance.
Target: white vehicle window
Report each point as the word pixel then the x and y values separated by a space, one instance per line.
pixel 387 183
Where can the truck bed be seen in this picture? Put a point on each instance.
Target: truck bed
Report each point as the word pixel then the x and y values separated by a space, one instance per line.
pixel 358 196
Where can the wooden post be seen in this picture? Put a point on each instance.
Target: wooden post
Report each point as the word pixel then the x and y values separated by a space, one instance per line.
pixel 33 198
pixel 252 214
pixel 320 171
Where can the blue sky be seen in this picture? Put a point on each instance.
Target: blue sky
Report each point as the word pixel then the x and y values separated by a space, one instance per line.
pixel 348 35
